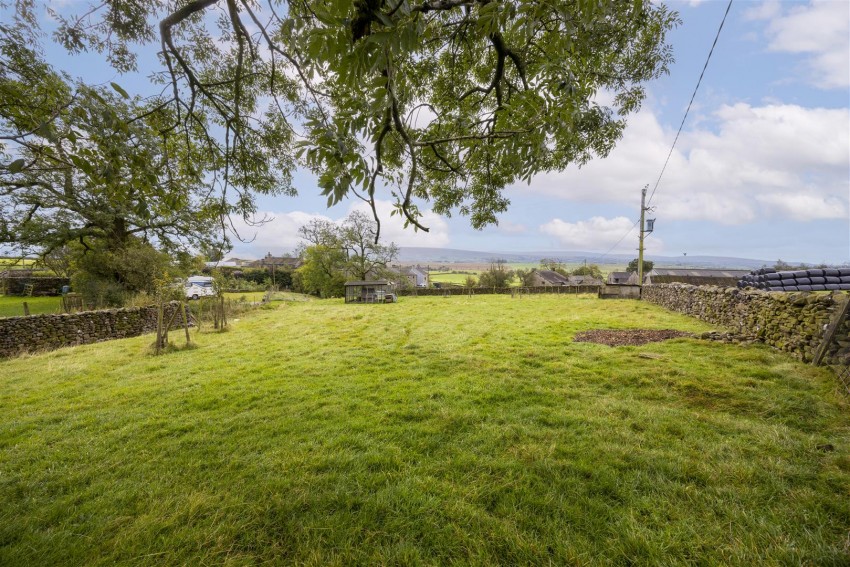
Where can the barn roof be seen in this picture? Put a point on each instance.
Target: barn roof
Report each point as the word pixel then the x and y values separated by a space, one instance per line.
pixel 699 273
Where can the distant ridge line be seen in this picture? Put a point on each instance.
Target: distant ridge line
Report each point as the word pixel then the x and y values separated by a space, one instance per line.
pixel 410 254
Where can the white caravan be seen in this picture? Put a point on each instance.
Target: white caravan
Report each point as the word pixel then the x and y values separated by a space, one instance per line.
pixel 197 287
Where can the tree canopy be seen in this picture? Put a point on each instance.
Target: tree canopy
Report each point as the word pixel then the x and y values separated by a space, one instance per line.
pixel 440 101
pixel 633 266
pixel 334 252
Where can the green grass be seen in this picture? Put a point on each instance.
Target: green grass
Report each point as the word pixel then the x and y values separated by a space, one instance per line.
pixel 452 278
pixel 13 306
pixel 435 431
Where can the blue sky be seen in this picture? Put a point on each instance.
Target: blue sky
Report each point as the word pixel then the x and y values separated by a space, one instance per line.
pixel 761 170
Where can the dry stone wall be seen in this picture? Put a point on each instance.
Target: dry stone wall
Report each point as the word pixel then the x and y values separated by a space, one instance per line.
pixel 792 322
pixel 48 332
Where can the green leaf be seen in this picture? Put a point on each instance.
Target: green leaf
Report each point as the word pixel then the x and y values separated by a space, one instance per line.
pixel 16 166
pixel 385 19
pixel 119 90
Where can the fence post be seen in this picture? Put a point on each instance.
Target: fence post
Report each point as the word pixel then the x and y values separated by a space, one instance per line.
pixel 26 309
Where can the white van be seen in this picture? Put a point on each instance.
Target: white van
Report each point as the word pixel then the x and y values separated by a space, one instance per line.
pixel 197 287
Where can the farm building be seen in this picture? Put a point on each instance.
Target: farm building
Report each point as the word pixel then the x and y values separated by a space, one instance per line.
pixel 549 278
pixel 584 280
pixel 377 291
pixel 621 278
pixel 696 276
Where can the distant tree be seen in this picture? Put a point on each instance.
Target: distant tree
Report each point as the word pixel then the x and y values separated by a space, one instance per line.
pixel 470 281
pixel 594 271
pixel 555 265
pixel 526 277
pixel 334 253
pixel 497 276
pixel 107 276
pixel 60 260
pixel 633 266
pixel 366 257
pixel 781 266
pixel 323 273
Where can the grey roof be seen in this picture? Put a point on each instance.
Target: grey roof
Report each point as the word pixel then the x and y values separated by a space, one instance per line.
pixel 584 280
pixel 552 276
pixel 699 273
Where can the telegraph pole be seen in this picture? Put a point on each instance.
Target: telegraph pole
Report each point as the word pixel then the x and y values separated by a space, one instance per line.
pixel 640 244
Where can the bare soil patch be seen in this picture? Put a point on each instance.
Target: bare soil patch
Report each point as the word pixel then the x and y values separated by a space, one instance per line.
pixel 612 337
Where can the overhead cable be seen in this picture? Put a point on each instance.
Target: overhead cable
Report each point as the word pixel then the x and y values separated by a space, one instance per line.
pixel 704 67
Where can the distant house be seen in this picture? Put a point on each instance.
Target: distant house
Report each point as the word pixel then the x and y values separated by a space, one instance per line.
pixel 544 278
pixel 229 263
pixel 278 262
pixel 584 280
pixel 414 275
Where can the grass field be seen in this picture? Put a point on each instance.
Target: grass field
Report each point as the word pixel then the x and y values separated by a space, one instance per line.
pixel 13 306
pixel 452 278
pixel 432 431
pixel 475 269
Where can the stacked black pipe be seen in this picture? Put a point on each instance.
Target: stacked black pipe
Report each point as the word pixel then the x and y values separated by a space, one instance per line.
pixel 816 279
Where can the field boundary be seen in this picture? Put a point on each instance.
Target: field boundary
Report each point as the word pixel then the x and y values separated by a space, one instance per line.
pixel 792 322
pixel 35 333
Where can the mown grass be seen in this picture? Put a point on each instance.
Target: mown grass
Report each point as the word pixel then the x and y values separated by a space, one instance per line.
pixel 431 431
pixel 13 306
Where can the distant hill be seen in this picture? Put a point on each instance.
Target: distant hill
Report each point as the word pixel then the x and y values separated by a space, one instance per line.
pixel 425 255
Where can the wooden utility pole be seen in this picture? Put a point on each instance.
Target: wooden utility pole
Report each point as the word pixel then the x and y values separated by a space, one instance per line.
pixel 640 244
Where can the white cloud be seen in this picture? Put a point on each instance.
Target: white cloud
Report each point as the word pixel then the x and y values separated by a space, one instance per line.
pixel 392 227
pixel 511 227
pixel 598 234
pixel 764 11
pixel 804 206
pixel 279 234
pixel 820 30
pixel 735 169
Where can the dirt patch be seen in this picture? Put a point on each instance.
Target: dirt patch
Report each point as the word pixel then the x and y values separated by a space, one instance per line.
pixel 627 337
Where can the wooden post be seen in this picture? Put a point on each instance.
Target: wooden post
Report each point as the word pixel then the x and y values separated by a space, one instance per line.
pixel 158 328
pixel 26 309
pixel 837 319
pixel 185 320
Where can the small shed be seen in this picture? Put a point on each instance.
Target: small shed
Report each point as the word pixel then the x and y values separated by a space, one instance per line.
pixel 378 291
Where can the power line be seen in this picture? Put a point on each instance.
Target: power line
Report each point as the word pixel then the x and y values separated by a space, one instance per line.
pixel 618 242
pixel 676 139
pixel 704 67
